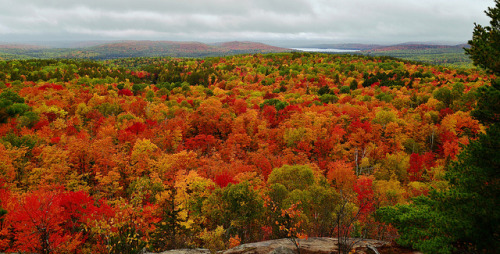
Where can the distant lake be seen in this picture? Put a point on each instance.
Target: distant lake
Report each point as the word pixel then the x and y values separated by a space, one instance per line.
pixel 326 50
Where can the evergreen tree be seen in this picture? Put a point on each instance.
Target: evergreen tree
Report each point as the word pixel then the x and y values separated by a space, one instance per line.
pixel 466 216
pixel 485 44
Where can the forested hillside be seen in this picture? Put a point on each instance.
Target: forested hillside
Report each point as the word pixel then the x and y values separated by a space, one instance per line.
pixel 124 49
pixel 159 153
pixel 446 55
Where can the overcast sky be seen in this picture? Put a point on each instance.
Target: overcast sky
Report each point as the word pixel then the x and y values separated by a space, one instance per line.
pixel 335 21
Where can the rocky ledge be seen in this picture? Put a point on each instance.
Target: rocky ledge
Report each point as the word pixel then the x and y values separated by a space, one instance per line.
pixel 312 245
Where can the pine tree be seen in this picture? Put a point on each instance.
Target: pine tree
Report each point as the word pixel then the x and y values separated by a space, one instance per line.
pixel 485 44
pixel 466 216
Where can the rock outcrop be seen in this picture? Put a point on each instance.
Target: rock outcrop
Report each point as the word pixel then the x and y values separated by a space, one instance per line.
pixel 312 245
pixel 184 251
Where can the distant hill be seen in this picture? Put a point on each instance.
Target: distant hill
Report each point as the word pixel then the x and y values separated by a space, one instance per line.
pixel 347 46
pixel 20 46
pixel 440 54
pixel 121 49
pixel 414 47
pixel 364 48
pixel 447 55
pixel 250 46
pixel 153 48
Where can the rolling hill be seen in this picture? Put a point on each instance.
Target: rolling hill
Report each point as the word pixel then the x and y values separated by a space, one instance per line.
pixel 123 49
pixel 447 55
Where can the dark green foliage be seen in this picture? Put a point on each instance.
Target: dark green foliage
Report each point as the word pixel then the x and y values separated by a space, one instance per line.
pixel 242 202
pixel 169 232
pixel 186 87
pixel 485 44
pixel 444 95
pixel 345 89
pixel 267 81
pixel 237 208
pixel 12 105
pixel 8 97
pixel 279 105
pixel 475 192
pixel 419 225
pixel 282 87
pixel 28 119
pixel 209 92
pixel 3 212
pixel 328 98
pixel 419 74
pixel 136 88
pixel 127 240
pixel 296 185
pixel 23 141
pixel 353 85
pixel 324 90
pixel 391 79
pixel 417 100
pixel 464 217
pixel 292 177
pixel 150 95
pixel 488 107
pixel 199 78
pixel 109 109
pixel 17 109
pixel 384 97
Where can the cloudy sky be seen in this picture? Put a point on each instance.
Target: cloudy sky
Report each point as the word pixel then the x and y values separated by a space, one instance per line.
pixel 331 21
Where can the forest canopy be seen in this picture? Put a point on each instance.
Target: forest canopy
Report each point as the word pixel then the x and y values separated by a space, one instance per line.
pixel 159 153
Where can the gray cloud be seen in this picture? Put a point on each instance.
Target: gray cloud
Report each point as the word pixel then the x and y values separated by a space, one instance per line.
pixel 208 20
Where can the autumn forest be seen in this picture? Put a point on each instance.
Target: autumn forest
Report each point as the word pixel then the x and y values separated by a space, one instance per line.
pixel 159 153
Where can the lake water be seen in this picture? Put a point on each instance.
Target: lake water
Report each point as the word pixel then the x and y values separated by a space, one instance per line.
pixel 327 50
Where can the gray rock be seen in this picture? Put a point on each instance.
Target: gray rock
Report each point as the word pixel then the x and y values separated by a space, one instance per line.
pixel 312 245
pixel 283 250
pixel 185 251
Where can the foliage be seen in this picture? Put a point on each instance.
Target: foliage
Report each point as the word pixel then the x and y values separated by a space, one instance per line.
pixel 465 216
pixel 450 56
pixel 238 209
pixel 161 153
pixel 419 225
pixel 292 177
pixel 488 108
pixel 138 49
pixel 485 44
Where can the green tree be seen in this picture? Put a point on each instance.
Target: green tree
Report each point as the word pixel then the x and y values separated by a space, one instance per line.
pixel 419 225
pixel 238 208
pixel 11 104
pixel 310 196
pixel 466 216
pixel 488 107
pixel 292 177
pixel 485 44
pixel 3 212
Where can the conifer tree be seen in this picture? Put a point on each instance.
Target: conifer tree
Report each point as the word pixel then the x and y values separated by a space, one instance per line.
pixel 465 217
pixel 485 44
